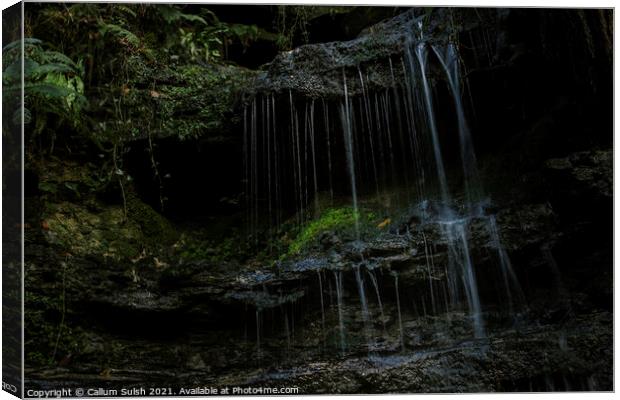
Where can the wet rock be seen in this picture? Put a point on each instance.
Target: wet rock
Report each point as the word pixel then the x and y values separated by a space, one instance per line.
pixel 316 70
pixel 582 182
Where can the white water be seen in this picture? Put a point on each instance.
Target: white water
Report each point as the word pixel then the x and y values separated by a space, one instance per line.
pixel 338 279
pixel 364 304
pixel 514 292
pixel 348 139
pixel 448 58
pixel 383 133
pixel 375 284
pixel 400 319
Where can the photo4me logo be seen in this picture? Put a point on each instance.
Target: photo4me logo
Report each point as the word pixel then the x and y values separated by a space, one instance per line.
pixel 9 387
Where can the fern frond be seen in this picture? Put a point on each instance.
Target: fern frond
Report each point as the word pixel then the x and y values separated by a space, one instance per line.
pixel 120 33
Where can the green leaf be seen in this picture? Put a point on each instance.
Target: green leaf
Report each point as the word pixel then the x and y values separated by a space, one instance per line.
pixel 46 69
pixel 121 33
pixel 17 44
pixel 46 89
pixel 71 186
pixel 48 187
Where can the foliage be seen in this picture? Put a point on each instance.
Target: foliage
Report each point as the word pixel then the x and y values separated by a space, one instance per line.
pixel 134 62
pixel 52 86
pixel 43 343
pixel 292 21
pixel 209 250
pixel 338 220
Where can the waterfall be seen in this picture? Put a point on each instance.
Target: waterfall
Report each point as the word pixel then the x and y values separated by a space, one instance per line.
pixel 429 271
pixel 373 279
pixel 338 279
pixel 453 228
pixel 345 115
pixel 276 162
pixel 511 282
pixel 448 58
pixel 389 136
pixel 421 55
pixel 288 332
pixel 296 157
pixel 364 304
pixel 459 247
pixel 312 148
pixel 329 149
pixel 369 128
pixel 267 118
pixel 322 305
pixel 400 319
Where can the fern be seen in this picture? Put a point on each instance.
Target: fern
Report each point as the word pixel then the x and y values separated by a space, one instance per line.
pixel 172 14
pixel 52 85
pixel 120 33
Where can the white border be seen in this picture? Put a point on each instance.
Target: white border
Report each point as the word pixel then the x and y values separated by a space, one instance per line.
pixel 456 3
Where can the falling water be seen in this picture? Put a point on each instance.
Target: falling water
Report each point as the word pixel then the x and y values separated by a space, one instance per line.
pixel 364 303
pixel 429 272
pixel 315 180
pixel 385 106
pixel 348 137
pixel 318 272
pixel 276 161
pixel 369 128
pixel 448 58
pixel 400 320
pixel 511 282
pixel 297 156
pixel 380 133
pixel 329 149
pixel 305 174
pixel 288 332
pixel 338 279
pixel 376 127
pixel 421 54
pixel 459 246
pixel 246 169
pixel 267 119
pixel 373 279
pixel 254 171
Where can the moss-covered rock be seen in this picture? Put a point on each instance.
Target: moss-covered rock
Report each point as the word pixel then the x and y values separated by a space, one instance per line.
pixel 187 101
pixel 341 221
pixel 106 231
pixel 316 70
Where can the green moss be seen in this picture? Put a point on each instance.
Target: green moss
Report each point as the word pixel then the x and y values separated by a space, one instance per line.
pixel 186 101
pixel 192 249
pixel 341 220
pixel 156 229
pixel 105 231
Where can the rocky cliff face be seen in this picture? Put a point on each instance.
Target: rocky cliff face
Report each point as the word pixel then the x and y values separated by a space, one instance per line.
pixel 374 300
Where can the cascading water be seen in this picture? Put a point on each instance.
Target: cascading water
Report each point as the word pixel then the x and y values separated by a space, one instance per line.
pixel 421 55
pixel 322 303
pixel 345 116
pixel 452 226
pixel 339 289
pixel 375 284
pixel 386 135
pixel 400 319
pixel 514 292
pixel 459 247
pixel 364 304
pixel 448 57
